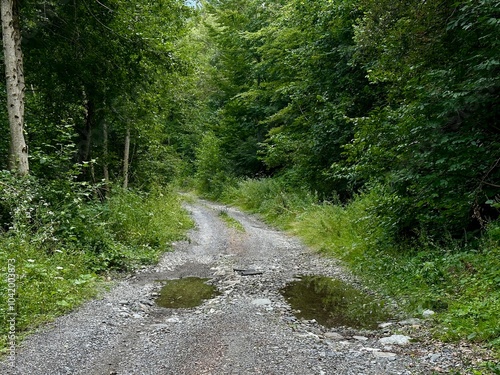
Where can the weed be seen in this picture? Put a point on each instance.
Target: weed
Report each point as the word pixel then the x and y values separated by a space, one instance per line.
pixel 230 221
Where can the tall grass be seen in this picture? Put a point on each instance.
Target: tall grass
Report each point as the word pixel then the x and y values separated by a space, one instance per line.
pixel 147 223
pixel 272 198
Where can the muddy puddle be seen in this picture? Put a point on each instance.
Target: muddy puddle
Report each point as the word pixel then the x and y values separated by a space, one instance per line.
pixel 334 303
pixel 185 293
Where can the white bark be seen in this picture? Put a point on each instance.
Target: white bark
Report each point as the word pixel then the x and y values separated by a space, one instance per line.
pixel 105 155
pixel 18 158
pixel 126 154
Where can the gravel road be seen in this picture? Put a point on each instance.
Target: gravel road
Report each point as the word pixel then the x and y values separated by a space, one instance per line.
pixel 248 329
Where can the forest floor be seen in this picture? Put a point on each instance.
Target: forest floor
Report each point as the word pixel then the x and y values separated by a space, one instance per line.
pixel 248 328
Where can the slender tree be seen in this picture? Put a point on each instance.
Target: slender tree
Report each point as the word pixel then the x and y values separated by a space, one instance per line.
pixel 126 157
pixel 105 154
pixel 18 154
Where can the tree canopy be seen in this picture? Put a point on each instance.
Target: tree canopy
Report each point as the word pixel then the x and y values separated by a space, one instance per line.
pixel 338 96
pixel 347 95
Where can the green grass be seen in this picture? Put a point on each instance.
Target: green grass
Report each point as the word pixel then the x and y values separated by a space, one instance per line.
pixel 231 222
pixel 47 285
pixel 460 282
pixel 146 224
pixel 271 198
pixel 57 274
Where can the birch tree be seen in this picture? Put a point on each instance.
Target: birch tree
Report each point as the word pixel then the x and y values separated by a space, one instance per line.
pixel 11 34
pixel 126 157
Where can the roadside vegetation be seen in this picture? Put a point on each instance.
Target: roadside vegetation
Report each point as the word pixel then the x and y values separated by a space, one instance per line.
pixel 67 253
pixel 457 280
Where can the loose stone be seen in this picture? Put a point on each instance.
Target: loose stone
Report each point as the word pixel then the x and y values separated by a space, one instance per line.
pixel 427 313
pixel 333 336
pixel 395 340
pixel 360 338
pixel 261 302
pixel 387 355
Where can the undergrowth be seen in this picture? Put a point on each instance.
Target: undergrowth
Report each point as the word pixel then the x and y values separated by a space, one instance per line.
pixel 63 251
pixel 459 281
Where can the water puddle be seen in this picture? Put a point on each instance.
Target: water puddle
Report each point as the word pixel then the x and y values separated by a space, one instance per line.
pixel 333 303
pixel 185 293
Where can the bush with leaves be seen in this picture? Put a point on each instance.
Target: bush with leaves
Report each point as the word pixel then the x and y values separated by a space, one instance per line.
pixel 212 170
pixel 435 142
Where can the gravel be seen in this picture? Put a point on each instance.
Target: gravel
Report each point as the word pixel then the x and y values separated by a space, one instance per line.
pixel 247 329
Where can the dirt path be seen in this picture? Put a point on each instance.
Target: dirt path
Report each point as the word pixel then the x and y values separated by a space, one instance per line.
pixel 248 329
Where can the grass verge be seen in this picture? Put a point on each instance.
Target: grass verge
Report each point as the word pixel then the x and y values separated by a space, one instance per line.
pixel 460 282
pixel 54 275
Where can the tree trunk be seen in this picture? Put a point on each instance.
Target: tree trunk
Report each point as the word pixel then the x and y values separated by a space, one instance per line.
pixel 126 154
pixel 105 151
pixel 85 140
pixel 87 132
pixel 18 153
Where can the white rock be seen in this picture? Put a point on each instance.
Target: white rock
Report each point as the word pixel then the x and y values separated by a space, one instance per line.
pixel 310 334
pixel 173 320
pixel 427 313
pixel 384 325
pixel 261 302
pixel 410 322
pixel 395 340
pixel 360 338
pixel 371 349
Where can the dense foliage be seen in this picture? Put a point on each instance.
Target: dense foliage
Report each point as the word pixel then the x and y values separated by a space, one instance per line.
pixel 378 123
pixel 97 71
pixel 343 96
